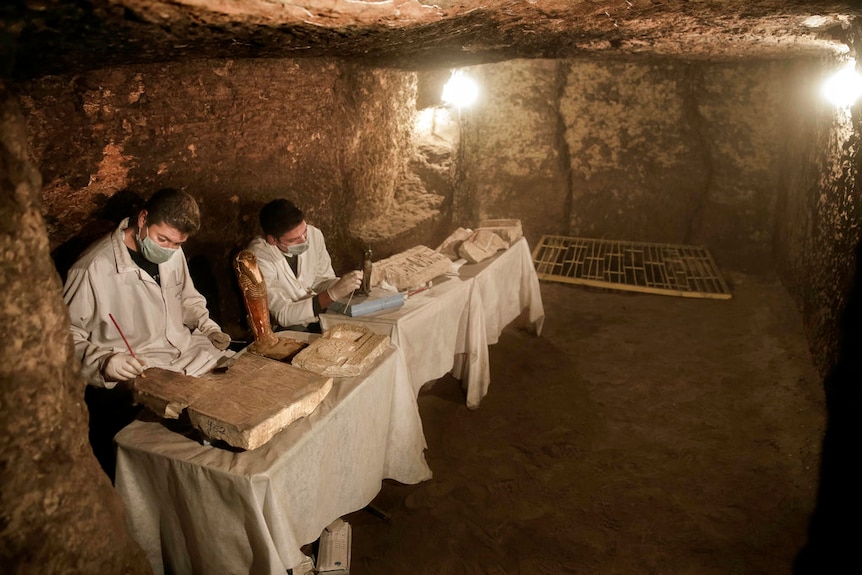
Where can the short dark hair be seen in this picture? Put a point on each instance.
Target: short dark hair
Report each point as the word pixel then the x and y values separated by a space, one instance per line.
pixel 175 208
pixel 280 216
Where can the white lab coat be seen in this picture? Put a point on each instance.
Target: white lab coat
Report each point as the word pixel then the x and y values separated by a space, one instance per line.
pixel 165 325
pixel 290 297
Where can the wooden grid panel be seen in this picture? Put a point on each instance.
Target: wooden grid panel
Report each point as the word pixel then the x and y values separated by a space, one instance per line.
pixel 668 269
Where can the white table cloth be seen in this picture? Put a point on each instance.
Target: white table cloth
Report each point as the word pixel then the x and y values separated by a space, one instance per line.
pixel 198 509
pixel 448 328
pixel 507 286
pixel 431 330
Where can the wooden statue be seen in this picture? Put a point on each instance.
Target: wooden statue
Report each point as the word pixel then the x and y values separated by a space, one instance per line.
pixel 253 288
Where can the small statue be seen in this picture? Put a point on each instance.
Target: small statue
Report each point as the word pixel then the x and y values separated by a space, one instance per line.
pixel 367 267
pixel 253 288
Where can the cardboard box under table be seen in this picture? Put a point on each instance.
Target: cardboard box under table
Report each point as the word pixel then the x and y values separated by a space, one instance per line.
pixel 448 327
pixel 202 509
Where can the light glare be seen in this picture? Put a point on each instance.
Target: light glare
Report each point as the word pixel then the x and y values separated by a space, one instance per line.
pixel 460 90
pixel 844 87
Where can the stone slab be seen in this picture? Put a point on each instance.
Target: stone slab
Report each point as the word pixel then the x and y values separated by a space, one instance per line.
pixel 344 350
pixel 246 406
pixel 410 269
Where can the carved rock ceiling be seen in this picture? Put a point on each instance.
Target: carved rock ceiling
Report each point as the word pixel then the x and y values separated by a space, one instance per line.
pixel 53 36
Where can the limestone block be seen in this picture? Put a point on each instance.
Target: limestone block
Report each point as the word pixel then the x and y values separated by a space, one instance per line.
pixel 264 397
pixel 344 350
pixel 481 245
pixel 167 393
pixel 411 268
pixel 280 348
pixel 449 247
pixel 509 230
pixel 245 406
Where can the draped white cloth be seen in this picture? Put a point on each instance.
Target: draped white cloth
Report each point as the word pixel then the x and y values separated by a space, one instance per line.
pixel 199 509
pixel 448 328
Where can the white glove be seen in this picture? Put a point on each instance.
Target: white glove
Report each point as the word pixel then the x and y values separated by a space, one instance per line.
pixel 219 339
pixel 344 286
pixel 122 367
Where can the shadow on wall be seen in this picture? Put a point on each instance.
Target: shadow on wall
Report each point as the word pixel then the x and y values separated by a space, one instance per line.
pixel 123 204
pixel 833 533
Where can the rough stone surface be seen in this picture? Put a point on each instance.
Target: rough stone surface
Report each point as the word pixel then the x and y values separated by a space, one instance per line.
pixel 643 119
pixel 58 511
pixel 819 209
pixel 513 157
pixel 230 133
pixel 53 36
pixel 344 350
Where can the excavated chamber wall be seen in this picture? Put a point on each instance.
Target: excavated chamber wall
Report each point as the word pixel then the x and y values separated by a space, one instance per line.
pixel 235 134
pixel 732 155
pixel 743 157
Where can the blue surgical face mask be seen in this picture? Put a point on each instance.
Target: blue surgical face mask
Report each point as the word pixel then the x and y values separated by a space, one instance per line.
pixel 297 249
pixel 152 251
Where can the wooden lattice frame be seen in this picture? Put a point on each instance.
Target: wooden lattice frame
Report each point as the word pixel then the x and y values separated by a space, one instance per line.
pixel 667 269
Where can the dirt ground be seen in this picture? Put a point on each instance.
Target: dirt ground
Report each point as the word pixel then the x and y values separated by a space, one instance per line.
pixel 638 434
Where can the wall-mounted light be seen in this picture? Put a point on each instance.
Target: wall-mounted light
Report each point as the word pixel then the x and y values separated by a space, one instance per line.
pixel 844 87
pixel 460 90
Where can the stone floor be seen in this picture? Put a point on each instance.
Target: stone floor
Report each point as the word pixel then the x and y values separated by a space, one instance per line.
pixel 639 434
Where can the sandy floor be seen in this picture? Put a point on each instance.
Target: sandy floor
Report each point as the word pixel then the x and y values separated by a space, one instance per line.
pixel 639 434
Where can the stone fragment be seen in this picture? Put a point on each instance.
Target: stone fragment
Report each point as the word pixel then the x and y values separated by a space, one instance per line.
pixel 344 350
pixel 510 230
pixel 245 406
pixel 449 247
pixel 411 268
pixel 481 245
pixel 261 398
pixel 167 393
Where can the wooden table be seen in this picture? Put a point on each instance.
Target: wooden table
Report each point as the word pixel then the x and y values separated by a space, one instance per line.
pixel 201 509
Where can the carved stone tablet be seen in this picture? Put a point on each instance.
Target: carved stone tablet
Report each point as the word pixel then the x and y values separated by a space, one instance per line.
pixel 281 348
pixel 481 245
pixel 245 406
pixel 449 247
pixel 265 397
pixel 509 230
pixel 344 350
pixel 411 268
pixel 167 393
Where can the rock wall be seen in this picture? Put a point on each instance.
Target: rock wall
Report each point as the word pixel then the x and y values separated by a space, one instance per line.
pixel 641 150
pixel 819 224
pixel 58 511
pixel 743 157
pixel 233 133
pixel 513 154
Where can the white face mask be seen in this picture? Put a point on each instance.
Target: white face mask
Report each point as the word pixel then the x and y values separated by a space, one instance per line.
pixel 152 251
pixel 297 249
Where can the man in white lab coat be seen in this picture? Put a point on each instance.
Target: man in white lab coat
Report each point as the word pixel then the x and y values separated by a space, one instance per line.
pixel 297 269
pixel 135 284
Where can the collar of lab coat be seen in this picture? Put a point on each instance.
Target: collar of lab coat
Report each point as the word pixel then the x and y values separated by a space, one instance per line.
pixel 121 252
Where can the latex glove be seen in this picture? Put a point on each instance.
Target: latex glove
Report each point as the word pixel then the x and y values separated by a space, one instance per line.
pixel 219 339
pixel 122 367
pixel 345 285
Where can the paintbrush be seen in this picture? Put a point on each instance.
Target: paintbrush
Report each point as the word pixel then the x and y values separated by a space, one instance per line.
pixel 347 305
pixel 125 341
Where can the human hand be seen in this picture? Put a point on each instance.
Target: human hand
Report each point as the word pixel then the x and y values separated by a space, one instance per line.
pixel 345 285
pixel 219 339
pixel 122 367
